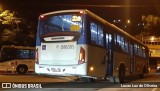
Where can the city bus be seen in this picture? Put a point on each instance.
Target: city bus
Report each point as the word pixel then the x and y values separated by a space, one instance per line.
pixel 80 43
pixel 17 59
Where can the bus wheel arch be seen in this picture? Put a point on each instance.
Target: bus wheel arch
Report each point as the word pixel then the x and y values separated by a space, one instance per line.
pixel 22 69
pixel 122 73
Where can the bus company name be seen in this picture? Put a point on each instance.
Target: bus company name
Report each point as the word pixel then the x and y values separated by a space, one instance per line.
pixel 67 46
pixel 21 85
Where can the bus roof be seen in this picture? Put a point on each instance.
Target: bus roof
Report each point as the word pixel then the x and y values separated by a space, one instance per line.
pixel 115 27
pixel 65 11
pixel 85 11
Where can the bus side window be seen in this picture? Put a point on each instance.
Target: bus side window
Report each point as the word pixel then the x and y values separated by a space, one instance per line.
pixel 23 54
pixel 118 44
pixel 140 51
pixel 93 28
pixel 126 46
pixel 122 43
pixel 97 36
pixel 107 40
pixel 8 54
pixel 32 54
pixel 144 53
pixel 135 49
pixel 115 39
pixel 3 55
pixel 100 35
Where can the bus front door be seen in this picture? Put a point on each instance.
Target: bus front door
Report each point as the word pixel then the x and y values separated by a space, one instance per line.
pixel 109 63
pixel 131 59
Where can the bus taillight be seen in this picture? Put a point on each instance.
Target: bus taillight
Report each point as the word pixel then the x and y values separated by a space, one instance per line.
pixel 42 16
pixel 81 56
pixel 36 57
pixel 81 12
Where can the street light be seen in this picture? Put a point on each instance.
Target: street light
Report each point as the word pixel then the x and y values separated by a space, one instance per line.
pixel 152 38
pixel 128 21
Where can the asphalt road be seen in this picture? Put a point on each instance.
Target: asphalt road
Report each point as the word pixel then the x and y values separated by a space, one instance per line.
pixel 148 83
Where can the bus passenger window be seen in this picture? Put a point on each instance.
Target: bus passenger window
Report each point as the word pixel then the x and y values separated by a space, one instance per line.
pixel 138 50
pixel 107 40
pixel 141 52
pixel 97 36
pixel 126 46
pixel 135 49
pixel 8 54
pixel 100 36
pixel 115 39
pixel 144 54
pixel 93 28
pixel 32 54
pixel 21 54
pixel 118 46
pixel 122 43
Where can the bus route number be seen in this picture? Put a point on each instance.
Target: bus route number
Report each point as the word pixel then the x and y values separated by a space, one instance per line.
pixel 76 18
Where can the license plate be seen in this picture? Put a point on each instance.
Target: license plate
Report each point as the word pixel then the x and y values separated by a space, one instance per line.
pixel 55 69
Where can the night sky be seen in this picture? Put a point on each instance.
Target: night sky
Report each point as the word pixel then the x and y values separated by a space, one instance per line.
pixel 107 9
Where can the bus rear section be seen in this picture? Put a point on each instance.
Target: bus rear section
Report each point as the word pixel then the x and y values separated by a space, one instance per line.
pixel 60 59
pixel 57 49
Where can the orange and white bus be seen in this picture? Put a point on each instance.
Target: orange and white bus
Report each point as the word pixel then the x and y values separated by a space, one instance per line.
pixel 80 43
pixel 17 59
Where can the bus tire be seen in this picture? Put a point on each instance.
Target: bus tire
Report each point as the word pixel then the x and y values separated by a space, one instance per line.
pixel 121 74
pixel 143 72
pixel 22 69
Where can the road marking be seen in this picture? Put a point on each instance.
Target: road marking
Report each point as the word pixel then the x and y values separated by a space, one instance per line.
pixel 154 89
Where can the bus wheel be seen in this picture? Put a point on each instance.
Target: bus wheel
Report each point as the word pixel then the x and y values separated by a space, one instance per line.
pixel 143 72
pixel 121 73
pixel 22 69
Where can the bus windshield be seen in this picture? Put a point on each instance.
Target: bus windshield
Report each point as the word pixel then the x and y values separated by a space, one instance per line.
pixel 60 23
